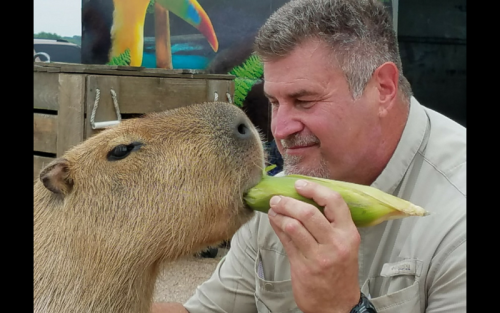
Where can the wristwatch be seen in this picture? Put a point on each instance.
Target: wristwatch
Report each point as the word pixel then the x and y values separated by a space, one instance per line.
pixel 364 306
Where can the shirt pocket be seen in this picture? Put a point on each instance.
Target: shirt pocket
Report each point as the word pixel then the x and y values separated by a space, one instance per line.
pixel 271 295
pixel 393 294
pixel 268 301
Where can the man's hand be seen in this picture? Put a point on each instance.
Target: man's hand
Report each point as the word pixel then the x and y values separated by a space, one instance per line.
pixel 168 307
pixel 322 249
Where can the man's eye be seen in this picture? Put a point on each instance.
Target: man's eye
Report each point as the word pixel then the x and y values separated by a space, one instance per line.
pixel 274 104
pixel 304 103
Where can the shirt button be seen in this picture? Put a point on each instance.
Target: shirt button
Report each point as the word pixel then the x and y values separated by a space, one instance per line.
pixel 268 287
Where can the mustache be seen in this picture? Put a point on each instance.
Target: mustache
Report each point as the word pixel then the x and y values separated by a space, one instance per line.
pixel 299 140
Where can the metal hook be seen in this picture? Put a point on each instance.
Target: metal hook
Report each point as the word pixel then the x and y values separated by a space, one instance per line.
pixel 105 124
pixel 46 55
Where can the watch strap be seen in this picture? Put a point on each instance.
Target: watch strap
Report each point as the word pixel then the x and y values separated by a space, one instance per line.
pixel 364 306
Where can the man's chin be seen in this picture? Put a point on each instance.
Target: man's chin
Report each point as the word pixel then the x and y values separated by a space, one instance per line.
pixel 301 168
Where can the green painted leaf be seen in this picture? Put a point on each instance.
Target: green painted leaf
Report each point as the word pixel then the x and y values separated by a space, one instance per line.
pixel 123 59
pixel 247 74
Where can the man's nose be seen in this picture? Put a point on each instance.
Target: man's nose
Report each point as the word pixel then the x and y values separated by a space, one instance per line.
pixel 285 122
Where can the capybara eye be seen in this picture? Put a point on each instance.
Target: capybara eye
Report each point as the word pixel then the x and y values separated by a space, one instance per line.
pixel 122 151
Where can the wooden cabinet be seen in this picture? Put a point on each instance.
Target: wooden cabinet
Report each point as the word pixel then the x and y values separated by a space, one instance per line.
pixel 65 96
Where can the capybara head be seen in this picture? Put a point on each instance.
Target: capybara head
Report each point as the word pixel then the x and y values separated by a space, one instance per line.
pixel 144 191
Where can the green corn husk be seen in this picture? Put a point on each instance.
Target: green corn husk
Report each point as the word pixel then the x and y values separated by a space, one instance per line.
pixel 369 206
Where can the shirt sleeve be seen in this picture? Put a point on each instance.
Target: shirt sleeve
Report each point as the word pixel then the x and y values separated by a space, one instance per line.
pixel 231 287
pixel 447 281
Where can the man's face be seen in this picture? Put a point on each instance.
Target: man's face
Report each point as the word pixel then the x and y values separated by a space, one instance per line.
pixel 320 130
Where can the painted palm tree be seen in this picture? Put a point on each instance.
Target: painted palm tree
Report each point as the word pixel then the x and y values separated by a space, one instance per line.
pixel 127 28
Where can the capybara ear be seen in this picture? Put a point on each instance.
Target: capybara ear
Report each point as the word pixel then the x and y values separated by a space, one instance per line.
pixel 55 177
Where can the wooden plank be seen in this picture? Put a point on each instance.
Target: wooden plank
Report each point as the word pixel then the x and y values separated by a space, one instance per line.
pixel 151 73
pixel 70 126
pixel 42 67
pixel 222 88
pixel 39 163
pixel 128 71
pixel 105 106
pixel 45 90
pixel 138 95
pixel 45 133
pixel 145 94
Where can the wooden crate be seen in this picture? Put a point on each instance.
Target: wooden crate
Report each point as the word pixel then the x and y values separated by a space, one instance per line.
pixel 65 94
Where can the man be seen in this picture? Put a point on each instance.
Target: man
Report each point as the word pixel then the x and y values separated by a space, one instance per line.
pixel 342 109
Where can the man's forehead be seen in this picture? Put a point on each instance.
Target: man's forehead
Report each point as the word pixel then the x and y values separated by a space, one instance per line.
pixel 296 93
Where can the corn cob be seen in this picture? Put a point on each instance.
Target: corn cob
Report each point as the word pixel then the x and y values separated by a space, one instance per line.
pixel 369 206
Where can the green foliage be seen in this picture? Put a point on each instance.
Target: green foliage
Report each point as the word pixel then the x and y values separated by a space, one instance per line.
pixel 151 7
pixel 122 59
pixel 242 87
pixel 251 68
pixel 75 39
pixel 44 35
pixel 247 74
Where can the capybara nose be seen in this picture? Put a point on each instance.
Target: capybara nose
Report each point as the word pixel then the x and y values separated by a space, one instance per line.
pixel 242 130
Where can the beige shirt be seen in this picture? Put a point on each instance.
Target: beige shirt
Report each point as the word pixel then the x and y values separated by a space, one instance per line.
pixel 410 265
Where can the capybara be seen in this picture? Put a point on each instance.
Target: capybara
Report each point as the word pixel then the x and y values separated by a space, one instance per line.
pixel 113 209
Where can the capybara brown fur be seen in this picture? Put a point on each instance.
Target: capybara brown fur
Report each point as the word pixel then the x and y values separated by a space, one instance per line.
pixel 115 208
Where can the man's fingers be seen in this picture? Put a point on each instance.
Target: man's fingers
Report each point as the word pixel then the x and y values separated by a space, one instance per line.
pixel 277 221
pixel 335 208
pixel 302 222
pixel 301 227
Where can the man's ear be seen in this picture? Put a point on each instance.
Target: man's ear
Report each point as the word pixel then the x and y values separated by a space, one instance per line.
pixel 386 78
pixel 55 177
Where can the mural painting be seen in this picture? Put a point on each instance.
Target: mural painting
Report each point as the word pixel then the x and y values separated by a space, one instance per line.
pixel 215 36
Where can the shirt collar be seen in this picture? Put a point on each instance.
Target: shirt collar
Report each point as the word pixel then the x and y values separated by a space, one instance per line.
pixel 407 148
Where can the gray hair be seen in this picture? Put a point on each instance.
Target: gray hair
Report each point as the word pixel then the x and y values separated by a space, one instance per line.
pixel 360 34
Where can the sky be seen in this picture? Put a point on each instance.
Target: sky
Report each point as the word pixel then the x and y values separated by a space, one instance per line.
pixel 62 17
